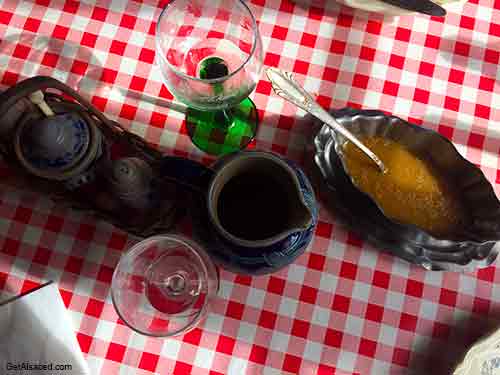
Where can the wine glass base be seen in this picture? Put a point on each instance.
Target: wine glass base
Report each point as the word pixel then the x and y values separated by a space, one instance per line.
pixel 223 132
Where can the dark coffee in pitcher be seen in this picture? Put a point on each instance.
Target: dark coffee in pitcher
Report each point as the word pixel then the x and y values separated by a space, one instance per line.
pixel 254 206
pixel 255 201
pixel 258 214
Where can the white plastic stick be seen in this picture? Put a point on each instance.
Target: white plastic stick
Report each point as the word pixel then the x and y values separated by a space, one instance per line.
pixel 37 98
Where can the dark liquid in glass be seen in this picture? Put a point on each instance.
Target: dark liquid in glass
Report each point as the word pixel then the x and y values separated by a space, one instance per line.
pixel 213 68
pixel 253 206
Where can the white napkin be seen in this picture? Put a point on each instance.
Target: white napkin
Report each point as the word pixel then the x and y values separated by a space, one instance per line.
pixel 35 330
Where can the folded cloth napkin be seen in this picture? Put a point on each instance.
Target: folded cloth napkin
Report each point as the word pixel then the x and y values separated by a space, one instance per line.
pixel 37 336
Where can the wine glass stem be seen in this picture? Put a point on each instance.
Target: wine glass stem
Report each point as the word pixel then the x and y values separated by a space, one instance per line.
pixel 224 118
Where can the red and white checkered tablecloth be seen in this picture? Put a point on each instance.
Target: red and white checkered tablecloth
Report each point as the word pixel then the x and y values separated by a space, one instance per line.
pixel 344 307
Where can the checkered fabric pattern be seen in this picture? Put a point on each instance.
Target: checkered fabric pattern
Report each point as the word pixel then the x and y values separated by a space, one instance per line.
pixel 344 307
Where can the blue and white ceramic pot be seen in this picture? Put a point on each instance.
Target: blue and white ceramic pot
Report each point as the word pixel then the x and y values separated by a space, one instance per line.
pixel 258 253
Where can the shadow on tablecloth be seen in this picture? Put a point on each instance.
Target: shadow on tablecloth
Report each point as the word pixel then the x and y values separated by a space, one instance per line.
pixel 442 355
pixel 43 55
pixel 491 142
pixel 468 54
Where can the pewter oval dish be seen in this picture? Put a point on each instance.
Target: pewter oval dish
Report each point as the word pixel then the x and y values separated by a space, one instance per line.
pixel 475 247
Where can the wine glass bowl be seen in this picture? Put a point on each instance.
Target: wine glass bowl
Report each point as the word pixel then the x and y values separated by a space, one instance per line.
pixel 163 286
pixel 210 56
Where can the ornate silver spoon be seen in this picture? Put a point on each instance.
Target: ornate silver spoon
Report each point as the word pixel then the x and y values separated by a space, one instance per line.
pixel 285 86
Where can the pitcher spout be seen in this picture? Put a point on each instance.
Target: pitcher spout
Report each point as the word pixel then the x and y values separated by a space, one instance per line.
pixel 301 215
pixel 257 200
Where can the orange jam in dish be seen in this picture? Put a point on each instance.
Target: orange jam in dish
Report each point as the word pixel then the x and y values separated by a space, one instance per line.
pixel 409 192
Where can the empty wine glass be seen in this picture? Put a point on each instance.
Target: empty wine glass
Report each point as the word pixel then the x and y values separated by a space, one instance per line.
pixel 164 286
pixel 210 56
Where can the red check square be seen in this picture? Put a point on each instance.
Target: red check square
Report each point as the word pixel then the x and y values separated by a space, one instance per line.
pixel 397 61
pixel 316 262
pixel 258 354
pixel 341 303
pixel 401 357
pixel 29 285
pixel 79 67
pixel 193 337
pixel 42 256
pixel 10 247
pixel 89 39
pixel 360 81
pixel 491 56
pixel 74 265
pixel 467 22
pixel 115 352
pixel 481 306
pixel 267 319
pixel 381 279
pixel 482 111
pixel 158 120
pixel 308 40
pixel 408 322
pixel 338 47
pixel 403 34
pixel 94 308
pixel 235 310
pixel 432 41
pixel 486 274
pixel 276 285
pixel 324 229
pixel 367 347
pixel 128 111
pixel 99 14
pixel 60 32
pixel 149 361
pixel 32 24
pixel 147 55
pixel 85 341
pixel 301 67
pixel 105 274
pixel 117 47
pixel 300 328
pixel 10 78
pixel 374 313
pixel 182 368
pixel 21 52
pixel 5 17
pixel 333 338
pixel 225 345
pixel 414 288
pixel 390 88
pixel 138 83
pixel 476 140
pixel 23 215
pixel 292 364
pixel 348 270
pixel 128 21
pixel 71 6
pixel 441 330
pixel 344 20
pixel 308 294
pixel 456 76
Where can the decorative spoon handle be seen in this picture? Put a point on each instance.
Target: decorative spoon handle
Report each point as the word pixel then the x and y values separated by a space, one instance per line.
pixel 285 86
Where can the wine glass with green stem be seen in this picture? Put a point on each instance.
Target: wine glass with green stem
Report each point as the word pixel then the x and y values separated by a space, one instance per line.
pixel 210 56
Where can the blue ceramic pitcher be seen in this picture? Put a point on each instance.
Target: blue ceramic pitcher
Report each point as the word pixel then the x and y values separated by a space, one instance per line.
pixel 254 211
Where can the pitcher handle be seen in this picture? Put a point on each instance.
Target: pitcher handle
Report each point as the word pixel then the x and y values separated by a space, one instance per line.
pixel 187 173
